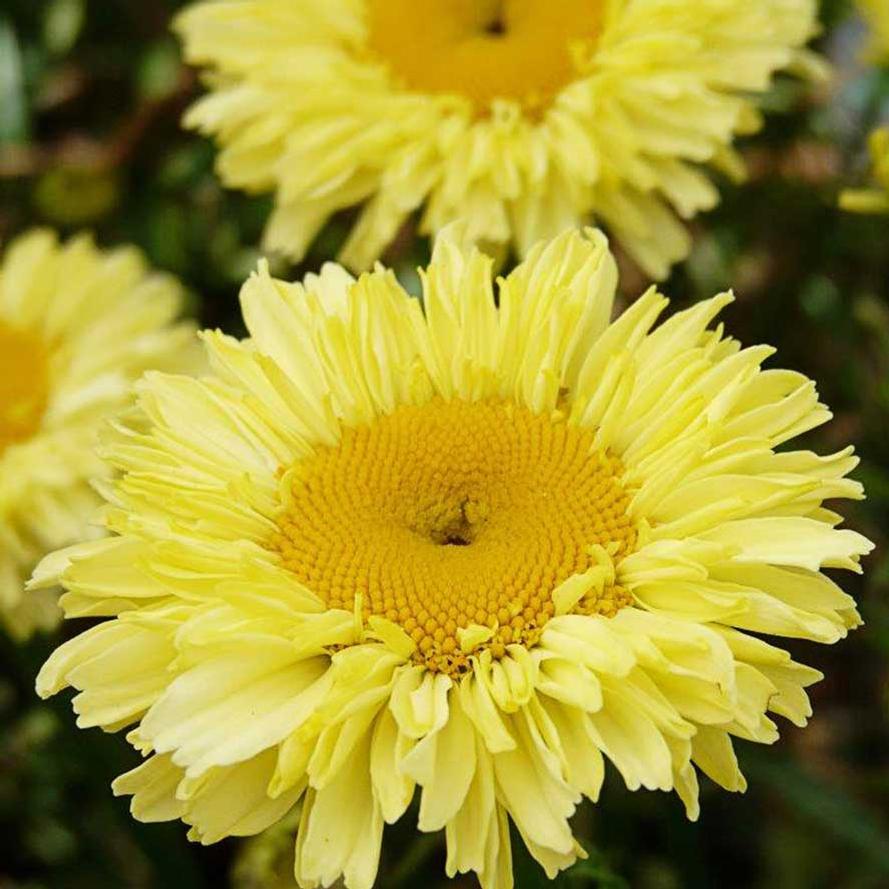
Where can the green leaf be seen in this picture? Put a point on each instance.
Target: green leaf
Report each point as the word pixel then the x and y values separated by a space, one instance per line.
pixel 14 124
pixel 827 806
pixel 62 24
pixel 592 871
pixel 595 870
pixel 159 70
pixel 71 196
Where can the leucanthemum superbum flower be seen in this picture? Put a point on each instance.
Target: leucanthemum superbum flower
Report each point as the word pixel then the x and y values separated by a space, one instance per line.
pixel 523 117
pixel 469 548
pixel 77 327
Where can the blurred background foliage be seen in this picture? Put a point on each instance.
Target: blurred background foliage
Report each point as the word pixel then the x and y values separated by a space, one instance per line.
pixel 91 92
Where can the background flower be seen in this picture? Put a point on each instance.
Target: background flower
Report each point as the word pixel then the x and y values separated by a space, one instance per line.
pixel 77 327
pixel 524 118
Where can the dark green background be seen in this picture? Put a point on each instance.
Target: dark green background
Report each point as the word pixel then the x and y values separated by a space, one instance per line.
pixel 90 96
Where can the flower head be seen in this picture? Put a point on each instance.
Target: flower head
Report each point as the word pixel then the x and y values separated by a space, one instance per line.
pixel 77 326
pixel 525 118
pixel 472 547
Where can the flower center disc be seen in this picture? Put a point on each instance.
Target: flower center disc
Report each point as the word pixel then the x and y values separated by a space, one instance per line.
pixel 24 385
pixel 452 514
pixel 525 50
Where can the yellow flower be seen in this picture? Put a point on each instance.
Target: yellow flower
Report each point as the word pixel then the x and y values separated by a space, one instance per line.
pixel 872 200
pixel 524 118
pixel 876 14
pixel 475 545
pixel 77 326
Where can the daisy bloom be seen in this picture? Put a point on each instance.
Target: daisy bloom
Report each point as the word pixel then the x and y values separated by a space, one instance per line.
pixel 469 549
pixel 77 327
pixel 523 117
pixel 875 199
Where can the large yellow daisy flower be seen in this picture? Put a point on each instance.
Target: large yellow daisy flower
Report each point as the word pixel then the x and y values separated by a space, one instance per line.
pixel 477 545
pixel 525 117
pixel 77 326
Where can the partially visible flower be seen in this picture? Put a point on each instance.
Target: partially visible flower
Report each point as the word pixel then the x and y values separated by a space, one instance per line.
pixel 524 118
pixel 876 14
pixel 469 548
pixel 77 327
pixel 876 199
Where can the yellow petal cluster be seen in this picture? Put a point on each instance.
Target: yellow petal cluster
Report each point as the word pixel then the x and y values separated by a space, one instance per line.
pixel 260 662
pixel 77 327
pixel 526 118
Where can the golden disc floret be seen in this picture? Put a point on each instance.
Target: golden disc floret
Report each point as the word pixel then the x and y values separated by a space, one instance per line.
pixel 495 49
pixel 24 384
pixel 451 514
